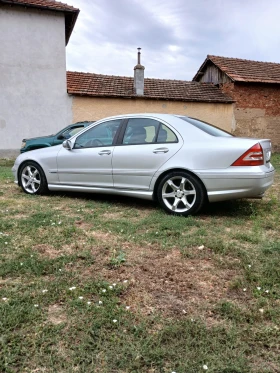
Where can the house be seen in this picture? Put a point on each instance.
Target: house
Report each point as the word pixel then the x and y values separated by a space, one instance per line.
pixel 33 95
pixel 96 96
pixel 255 88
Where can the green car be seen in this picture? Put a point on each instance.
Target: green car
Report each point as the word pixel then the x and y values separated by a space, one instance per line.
pixel 46 141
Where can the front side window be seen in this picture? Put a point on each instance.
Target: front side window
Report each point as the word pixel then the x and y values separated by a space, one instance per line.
pixel 101 135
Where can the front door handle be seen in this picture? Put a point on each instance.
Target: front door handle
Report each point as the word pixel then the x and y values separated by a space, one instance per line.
pixel 105 152
pixel 161 150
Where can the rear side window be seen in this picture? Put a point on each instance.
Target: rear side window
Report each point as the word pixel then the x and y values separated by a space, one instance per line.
pixel 140 131
pixel 147 131
pixel 206 127
pixel 166 135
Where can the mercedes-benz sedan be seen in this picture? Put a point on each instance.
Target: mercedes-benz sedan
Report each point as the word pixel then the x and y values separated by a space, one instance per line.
pixel 180 162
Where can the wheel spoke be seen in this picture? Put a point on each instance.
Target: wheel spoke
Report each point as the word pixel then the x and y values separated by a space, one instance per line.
pixel 35 173
pixel 182 184
pixel 33 187
pixel 175 203
pixel 25 177
pixel 185 202
pixel 29 171
pixel 189 192
pixel 169 195
pixel 172 185
pixel 37 181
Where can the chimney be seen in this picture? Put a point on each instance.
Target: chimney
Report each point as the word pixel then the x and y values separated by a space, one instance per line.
pixel 139 77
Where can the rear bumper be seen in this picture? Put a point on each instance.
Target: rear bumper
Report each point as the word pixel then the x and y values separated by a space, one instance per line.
pixel 230 186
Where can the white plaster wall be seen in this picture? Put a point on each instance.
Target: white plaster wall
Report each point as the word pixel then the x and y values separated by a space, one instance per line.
pixel 33 95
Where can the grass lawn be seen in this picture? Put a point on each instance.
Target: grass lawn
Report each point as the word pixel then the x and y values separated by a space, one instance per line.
pixel 106 284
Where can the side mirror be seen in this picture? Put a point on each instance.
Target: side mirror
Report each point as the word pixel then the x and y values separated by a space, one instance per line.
pixel 67 144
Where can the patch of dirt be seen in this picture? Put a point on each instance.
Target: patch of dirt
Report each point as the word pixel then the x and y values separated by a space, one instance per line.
pixel 50 252
pixel 167 282
pixel 56 314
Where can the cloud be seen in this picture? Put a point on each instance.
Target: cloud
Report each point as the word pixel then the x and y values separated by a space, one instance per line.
pixel 175 36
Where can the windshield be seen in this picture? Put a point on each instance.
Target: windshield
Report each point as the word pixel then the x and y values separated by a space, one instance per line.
pixel 206 127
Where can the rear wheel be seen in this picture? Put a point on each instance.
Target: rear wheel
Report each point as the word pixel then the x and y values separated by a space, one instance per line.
pixel 32 178
pixel 180 193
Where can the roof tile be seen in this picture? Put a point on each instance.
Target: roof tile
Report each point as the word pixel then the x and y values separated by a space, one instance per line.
pixel 48 4
pixel 97 85
pixel 246 70
pixel 71 13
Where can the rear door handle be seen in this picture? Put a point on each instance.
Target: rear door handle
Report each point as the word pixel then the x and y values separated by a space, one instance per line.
pixel 161 150
pixel 105 152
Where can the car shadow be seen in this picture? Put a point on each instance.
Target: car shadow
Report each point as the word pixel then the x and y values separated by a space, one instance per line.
pixel 235 208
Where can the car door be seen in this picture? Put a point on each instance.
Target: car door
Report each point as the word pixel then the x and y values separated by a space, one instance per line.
pixel 89 162
pixel 146 145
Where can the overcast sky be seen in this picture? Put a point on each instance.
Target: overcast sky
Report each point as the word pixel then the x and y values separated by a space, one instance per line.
pixel 175 35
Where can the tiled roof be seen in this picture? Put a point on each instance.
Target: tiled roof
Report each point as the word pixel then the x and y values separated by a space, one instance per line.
pixel 245 70
pixel 96 85
pixel 71 13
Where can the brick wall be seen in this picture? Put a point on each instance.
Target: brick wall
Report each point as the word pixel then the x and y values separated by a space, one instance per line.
pixel 257 110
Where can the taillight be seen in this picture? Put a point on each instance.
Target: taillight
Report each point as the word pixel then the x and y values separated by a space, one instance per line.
pixel 252 157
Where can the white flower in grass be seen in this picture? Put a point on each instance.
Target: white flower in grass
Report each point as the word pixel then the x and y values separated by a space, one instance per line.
pixel 36 305
pixel 115 320
pixel 5 299
pixel 53 224
pixel 201 247
pixel 261 310
pixel 127 307
pixel 103 290
pixel 21 264
pixel 244 289
pixel 44 291
pixel 205 367
pixel 249 266
pixel 88 302
pixel 267 291
pixel 81 298
pixel 100 302
pixel 258 287
pixel 125 281
pixel 184 311
pixel 72 288
pixel 114 285
pixel 59 222
pixel 6 243
pixel 60 269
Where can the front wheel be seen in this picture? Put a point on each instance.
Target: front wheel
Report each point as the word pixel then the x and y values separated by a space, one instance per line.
pixel 32 178
pixel 180 193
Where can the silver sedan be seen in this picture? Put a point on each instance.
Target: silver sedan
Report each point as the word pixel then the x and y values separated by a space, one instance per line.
pixel 179 161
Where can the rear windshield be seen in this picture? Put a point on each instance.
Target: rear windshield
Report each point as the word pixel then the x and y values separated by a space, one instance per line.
pixel 206 127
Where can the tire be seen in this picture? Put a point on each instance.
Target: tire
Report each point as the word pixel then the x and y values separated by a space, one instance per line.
pixel 180 193
pixel 32 178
